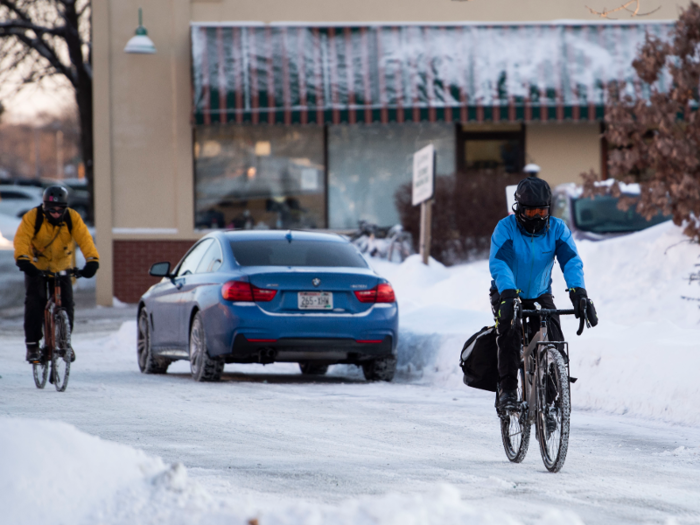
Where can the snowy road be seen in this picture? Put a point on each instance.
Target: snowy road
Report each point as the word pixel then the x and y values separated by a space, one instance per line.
pixel 268 434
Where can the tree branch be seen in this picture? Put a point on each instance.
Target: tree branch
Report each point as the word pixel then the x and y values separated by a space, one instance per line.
pixel 605 13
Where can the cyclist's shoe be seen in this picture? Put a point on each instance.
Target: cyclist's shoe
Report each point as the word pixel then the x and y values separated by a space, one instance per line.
pixel 33 352
pixel 507 400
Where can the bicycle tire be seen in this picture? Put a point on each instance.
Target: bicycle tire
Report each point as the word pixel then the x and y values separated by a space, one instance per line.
pixel 553 404
pixel 515 427
pixel 62 354
pixel 41 372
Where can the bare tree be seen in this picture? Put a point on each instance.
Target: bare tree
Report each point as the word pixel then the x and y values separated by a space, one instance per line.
pixel 655 140
pixel 47 38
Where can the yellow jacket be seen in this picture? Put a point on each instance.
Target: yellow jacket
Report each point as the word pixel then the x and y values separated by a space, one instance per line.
pixel 53 248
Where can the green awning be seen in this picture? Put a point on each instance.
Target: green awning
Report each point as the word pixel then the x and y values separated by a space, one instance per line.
pixel 399 73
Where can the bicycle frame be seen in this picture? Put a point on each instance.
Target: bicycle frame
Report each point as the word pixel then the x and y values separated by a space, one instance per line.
pixel 531 357
pixel 52 303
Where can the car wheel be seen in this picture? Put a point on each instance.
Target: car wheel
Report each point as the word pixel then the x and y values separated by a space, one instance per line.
pixel 148 363
pixel 203 367
pixel 379 369
pixel 310 369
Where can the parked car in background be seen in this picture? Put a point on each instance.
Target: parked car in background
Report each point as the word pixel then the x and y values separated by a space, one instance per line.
pixel 18 200
pixel 599 218
pixel 269 296
pixel 78 196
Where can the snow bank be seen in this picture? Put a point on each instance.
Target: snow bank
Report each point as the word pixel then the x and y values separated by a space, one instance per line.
pixel 641 359
pixel 64 469
pixel 81 479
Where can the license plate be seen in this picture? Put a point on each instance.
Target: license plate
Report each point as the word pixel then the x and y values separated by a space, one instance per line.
pixel 315 301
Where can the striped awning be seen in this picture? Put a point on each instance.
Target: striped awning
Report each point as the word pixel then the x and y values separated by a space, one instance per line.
pixel 397 73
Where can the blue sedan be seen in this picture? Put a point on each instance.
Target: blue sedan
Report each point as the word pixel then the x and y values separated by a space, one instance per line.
pixel 265 297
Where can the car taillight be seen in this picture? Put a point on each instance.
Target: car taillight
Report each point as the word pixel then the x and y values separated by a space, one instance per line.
pixel 237 291
pixel 263 295
pixel 385 293
pixel 382 293
pixel 242 291
pixel 366 296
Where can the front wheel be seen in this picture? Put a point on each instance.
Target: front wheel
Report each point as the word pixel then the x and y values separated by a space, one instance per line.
pixel 148 363
pixel 515 426
pixel 202 366
pixel 553 408
pixel 379 369
pixel 62 353
pixel 41 372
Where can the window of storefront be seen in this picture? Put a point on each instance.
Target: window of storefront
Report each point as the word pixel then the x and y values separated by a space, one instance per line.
pixel 500 148
pixel 259 177
pixel 368 163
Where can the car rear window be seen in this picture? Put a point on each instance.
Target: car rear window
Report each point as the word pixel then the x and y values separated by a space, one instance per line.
pixel 601 215
pixel 297 253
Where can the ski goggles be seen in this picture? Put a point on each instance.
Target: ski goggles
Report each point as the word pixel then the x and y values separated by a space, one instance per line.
pixel 535 212
pixel 54 209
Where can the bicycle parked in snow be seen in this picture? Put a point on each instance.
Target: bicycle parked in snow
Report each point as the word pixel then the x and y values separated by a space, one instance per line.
pixel 393 244
pixel 544 397
pixel 56 353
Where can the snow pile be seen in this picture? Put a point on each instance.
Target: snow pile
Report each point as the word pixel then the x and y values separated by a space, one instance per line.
pixel 64 469
pixel 642 357
pixel 81 479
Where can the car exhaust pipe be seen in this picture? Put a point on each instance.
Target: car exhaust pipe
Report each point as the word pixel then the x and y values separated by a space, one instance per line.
pixel 267 356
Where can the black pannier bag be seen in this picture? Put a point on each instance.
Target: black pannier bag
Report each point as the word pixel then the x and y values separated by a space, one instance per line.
pixel 479 360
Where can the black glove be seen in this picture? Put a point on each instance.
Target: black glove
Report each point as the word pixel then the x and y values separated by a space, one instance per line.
pixel 28 268
pixel 577 295
pixel 89 270
pixel 505 308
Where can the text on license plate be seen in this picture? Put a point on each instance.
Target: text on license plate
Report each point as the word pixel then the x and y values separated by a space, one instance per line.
pixel 315 300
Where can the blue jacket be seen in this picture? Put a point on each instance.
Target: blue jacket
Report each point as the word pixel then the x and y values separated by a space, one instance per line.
pixel 524 262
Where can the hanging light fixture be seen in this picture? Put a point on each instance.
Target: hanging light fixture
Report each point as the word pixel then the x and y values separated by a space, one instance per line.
pixel 140 43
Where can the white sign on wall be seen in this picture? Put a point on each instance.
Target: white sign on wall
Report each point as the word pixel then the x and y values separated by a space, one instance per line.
pixel 510 197
pixel 423 174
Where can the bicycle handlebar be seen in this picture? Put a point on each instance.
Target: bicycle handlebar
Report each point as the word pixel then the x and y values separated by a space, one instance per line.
pixel 548 312
pixel 75 272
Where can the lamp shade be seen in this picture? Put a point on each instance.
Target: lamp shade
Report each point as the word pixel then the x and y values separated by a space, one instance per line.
pixel 140 43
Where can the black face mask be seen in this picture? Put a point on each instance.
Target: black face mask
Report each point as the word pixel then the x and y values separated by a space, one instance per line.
pixel 55 221
pixel 531 226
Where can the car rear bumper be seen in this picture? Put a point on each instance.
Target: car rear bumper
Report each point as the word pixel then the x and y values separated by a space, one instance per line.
pixel 295 350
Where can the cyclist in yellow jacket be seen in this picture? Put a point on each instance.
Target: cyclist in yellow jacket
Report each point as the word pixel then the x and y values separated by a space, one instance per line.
pixel 45 241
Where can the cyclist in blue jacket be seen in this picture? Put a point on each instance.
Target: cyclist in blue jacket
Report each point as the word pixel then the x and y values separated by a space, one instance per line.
pixel 523 248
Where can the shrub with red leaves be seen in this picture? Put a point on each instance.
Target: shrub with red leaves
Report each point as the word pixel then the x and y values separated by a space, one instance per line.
pixel 655 140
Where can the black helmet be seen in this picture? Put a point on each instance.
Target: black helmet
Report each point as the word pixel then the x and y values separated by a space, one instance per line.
pixel 533 198
pixel 55 197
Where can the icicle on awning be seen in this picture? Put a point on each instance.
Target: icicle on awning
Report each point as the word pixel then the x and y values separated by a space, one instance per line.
pixel 289 74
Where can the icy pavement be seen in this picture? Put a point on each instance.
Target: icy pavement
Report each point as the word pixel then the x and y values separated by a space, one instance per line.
pixel 267 444
pixel 270 444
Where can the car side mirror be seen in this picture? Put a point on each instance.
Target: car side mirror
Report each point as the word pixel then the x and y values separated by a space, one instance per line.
pixel 160 269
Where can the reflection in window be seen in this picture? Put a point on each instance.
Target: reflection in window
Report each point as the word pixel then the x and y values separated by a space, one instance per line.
pixel 499 148
pixel 368 163
pixel 259 177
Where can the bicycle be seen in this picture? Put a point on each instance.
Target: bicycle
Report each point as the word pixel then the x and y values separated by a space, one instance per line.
pixel 400 242
pixel 544 397
pixel 57 348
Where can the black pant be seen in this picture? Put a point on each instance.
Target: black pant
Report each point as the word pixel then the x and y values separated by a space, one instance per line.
pixel 509 340
pixel 35 302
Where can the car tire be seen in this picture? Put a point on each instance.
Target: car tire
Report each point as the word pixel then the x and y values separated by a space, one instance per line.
pixel 202 366
pixel 148 363
pixel 311 369
pixel 379 369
